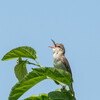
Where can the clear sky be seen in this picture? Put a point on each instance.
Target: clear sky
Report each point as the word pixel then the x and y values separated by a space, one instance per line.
pixel 75 23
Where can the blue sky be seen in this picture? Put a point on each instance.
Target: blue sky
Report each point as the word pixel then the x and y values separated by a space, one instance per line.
pixel 75 23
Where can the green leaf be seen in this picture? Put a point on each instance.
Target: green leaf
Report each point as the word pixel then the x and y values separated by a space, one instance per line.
pixel 61 95
pixel 55 74
pixel 21 87
pixel 24 51
pixel 34 98
pixel 56 95
pixel 42 96
pixel 37 75
pixel 20 70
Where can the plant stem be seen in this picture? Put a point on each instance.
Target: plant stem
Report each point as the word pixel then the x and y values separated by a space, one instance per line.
pixel 34 63
pixel 38 63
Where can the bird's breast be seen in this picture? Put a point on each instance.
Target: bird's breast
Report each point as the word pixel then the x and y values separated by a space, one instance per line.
pixel 58 63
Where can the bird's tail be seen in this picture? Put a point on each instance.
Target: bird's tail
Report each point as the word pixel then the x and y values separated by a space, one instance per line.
pixel 71 90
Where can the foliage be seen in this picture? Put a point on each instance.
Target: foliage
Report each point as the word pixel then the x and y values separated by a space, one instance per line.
pixel 24 51
pixel 28 80
pixel 20 69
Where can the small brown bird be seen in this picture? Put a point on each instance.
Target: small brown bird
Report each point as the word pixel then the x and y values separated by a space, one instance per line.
pixel 60 60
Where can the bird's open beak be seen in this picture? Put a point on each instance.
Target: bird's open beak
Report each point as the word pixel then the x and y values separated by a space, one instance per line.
pixel 53 43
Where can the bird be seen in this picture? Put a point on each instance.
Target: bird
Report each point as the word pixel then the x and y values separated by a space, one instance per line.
pixel 60 61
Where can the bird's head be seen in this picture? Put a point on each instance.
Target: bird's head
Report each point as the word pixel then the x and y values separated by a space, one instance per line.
pixel 58 47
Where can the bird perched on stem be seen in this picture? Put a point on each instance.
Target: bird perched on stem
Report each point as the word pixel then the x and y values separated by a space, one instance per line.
pixel 60 60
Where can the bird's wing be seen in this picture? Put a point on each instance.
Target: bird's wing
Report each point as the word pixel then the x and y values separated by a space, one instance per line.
pixel 66 63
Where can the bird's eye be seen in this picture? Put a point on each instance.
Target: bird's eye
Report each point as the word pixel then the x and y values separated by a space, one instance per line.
pixel 59 46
